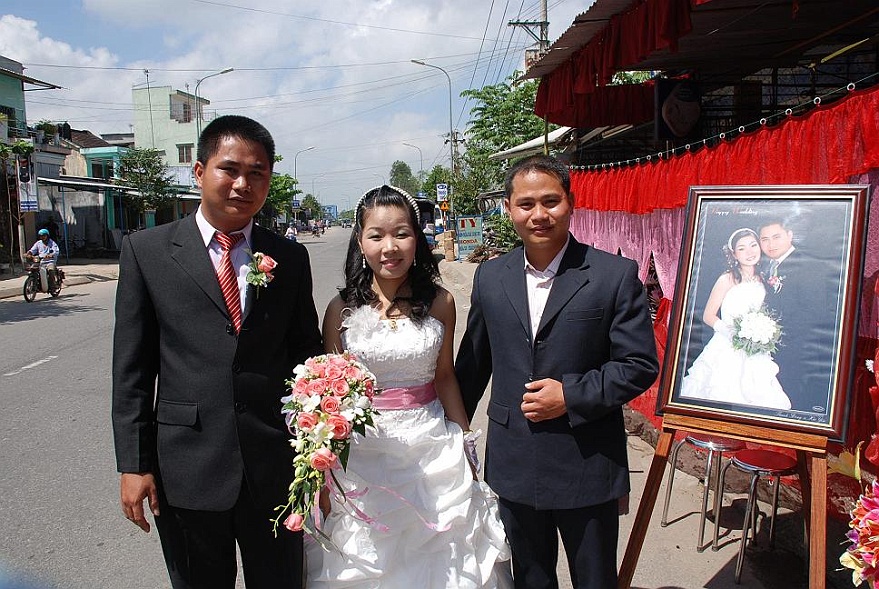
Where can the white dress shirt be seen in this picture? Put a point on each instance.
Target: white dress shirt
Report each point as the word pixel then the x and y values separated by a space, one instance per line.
pixel 240 258
pixel 538 284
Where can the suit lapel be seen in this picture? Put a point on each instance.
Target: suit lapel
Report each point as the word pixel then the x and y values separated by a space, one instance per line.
pixel 189 251
pixel 513 284
pixel 570 279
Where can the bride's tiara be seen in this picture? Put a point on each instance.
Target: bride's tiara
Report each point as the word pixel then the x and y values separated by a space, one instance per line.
pixel 729 242
pixel 399 191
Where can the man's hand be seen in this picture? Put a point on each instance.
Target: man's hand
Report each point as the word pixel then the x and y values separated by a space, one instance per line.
pixel 134 488
pixel 543 399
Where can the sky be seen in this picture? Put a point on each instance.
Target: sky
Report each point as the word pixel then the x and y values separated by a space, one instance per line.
pixel 336 75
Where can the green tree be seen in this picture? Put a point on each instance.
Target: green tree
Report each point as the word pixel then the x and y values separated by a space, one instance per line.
pixel 312 206
pixel 502 117
pixel 282 190
pixel 402 177
pixel 438 175
pixel 144 170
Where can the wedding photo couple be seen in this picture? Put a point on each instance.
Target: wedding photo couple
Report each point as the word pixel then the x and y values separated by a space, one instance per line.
pixel 229 402
pixel 772 312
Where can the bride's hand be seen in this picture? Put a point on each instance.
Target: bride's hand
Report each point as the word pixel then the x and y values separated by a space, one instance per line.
pixel 324 501
pixel 721 327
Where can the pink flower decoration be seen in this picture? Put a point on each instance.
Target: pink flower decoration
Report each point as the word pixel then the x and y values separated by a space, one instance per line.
pixel 317 387
pixel 323 459
pixel 306 421
pixel 340 387
pixel 267 263
pixel 353 373
pixel 330 404
pixel 340 426
pixel 334 372
pixel 294 522
pixel 300 386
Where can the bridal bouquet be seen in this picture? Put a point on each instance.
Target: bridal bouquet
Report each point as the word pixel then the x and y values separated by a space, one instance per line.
pixel 863 554
pixel 756 332
pixel 330 397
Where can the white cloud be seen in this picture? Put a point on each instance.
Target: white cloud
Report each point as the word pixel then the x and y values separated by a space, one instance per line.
pixel 358 98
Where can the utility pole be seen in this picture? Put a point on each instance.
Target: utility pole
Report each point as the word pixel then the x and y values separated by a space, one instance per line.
pixel 541 26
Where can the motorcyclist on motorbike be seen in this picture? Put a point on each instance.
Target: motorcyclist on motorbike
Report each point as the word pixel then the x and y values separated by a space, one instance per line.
pixel 45 250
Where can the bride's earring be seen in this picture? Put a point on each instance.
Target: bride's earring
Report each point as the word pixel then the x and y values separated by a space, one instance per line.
pixel 363 261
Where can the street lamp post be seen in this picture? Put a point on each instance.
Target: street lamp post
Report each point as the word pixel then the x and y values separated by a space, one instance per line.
pixel 421 157
pixel 451 136
pixel 198 104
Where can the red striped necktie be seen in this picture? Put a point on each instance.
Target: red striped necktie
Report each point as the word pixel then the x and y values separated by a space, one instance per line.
pixel 228 277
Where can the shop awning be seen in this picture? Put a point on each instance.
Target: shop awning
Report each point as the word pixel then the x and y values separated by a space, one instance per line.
pixel 722 40
pixel 533 146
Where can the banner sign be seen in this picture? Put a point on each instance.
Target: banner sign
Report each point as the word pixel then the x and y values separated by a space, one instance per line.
pixel 469 235
pixel 27 185
pixel 442 192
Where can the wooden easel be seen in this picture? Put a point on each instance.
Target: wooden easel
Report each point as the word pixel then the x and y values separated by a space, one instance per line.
pixel 811 456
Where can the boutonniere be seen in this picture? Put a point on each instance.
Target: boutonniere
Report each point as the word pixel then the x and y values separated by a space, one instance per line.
pixel 260 270
pixel 776 283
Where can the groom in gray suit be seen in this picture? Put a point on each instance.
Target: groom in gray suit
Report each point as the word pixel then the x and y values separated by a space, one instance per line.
pixel 564 332
pixel 199 362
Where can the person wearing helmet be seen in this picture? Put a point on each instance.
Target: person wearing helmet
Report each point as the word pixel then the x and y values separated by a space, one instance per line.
pixel 45 250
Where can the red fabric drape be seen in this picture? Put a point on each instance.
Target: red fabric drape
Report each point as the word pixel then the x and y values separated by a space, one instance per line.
pixel 629 37
pixel 630 104
pixel 830 144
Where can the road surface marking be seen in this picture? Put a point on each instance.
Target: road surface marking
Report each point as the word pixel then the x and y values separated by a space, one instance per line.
pixel 29 366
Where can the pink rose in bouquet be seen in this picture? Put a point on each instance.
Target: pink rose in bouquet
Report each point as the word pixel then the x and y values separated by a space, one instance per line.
pixel 330 398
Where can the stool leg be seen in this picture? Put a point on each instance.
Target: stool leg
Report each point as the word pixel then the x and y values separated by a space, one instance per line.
pixel 749 509
pixel 672 464
pixel 777 482
pixel 718 504
pixel 709 471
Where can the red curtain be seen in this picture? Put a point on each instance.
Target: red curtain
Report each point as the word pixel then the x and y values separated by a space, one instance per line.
pixel 629 37
pixel 629 104
pixel 828 145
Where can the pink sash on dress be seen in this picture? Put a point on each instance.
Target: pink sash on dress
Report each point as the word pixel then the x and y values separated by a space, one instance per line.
pixel 405 397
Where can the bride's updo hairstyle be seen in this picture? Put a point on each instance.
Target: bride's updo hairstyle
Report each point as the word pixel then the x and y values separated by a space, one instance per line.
pixel 729 250
pixel 423 275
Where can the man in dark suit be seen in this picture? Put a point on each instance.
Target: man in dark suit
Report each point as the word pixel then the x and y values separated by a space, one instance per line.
pixel 563 330
pixel 799 290
pixel 199 370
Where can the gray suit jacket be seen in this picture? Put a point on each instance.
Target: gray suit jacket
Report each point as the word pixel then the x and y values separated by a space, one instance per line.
pixel 193 403
pixel 595 336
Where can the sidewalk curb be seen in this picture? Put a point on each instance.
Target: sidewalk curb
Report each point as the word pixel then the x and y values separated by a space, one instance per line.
pixel 16 291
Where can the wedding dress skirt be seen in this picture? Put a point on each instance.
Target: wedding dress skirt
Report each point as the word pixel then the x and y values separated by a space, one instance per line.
pixel 412 515
pixel 722 373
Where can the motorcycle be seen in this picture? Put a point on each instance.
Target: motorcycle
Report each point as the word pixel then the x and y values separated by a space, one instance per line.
pixel 33 284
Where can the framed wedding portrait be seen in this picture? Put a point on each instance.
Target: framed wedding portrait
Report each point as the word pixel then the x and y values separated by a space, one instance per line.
pixel 764 321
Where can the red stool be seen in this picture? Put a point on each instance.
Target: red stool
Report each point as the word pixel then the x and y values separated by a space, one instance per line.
pixel 758 463
pixel 716 446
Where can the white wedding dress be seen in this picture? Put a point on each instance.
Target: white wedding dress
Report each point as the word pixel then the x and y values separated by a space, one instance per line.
pixel 722 373
pixel 413 516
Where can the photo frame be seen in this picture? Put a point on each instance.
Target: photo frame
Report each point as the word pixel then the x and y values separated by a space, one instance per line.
pixel 764 322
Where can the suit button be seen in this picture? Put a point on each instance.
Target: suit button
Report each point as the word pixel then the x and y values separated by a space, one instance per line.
pixel 229 329
pixel 236 367
pixel 240 407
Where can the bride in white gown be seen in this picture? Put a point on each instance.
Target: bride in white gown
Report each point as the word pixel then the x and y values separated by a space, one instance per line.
pixel 412 514
pixel 721 372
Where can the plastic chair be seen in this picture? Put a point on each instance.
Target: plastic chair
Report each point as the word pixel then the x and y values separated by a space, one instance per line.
pixel 716 446
pixel 757 463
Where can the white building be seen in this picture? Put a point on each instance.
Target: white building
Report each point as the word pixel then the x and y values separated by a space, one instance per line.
pixel 165 119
